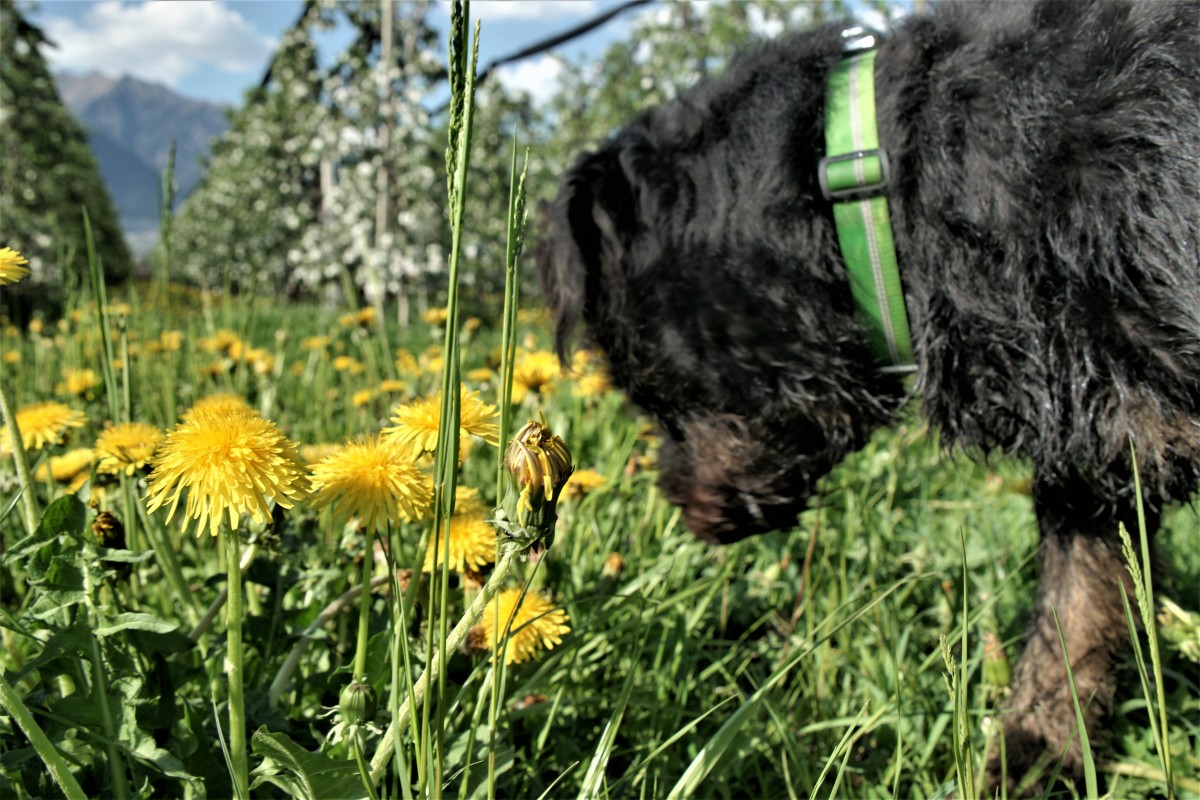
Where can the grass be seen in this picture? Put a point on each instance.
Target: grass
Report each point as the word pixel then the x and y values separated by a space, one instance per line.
pixel 807 663
pixel 724 672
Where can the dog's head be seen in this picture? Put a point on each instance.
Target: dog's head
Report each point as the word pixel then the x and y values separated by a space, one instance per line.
pixel 697 252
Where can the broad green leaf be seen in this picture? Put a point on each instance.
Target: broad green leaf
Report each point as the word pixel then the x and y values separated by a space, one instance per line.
pixel 138 622
pixel 67 514
pixel 308 775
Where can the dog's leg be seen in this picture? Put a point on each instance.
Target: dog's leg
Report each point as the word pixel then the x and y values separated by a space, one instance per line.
pixel 1082 569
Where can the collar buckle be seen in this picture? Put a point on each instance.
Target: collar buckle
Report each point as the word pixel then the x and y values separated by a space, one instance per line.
pixel 859 39
pixel 859 175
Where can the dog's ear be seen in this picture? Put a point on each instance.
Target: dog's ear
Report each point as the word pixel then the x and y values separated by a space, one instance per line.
pixel 586 234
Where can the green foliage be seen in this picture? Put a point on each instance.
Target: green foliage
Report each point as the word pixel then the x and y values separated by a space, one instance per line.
pixel 48 173
pixel 669 49
pixel 682 642
pixel 301 774
pixel 804 663
pixel 296 190
pixel 261 188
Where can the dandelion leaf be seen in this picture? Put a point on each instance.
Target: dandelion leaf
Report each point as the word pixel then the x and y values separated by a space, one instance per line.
pixel 302 774
pixel 66 515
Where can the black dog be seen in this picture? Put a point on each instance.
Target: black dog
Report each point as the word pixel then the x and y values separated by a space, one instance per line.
pixel 1045 202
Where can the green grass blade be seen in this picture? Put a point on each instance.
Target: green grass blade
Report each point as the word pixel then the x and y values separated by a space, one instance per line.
pixel 1146 604
pixel 595 771
pixel 829 761
pixel 1089 764
pixel 710 755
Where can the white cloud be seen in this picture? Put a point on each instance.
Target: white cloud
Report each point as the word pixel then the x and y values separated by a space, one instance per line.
pixel 156 41
pixel 496 10
pixel 538 77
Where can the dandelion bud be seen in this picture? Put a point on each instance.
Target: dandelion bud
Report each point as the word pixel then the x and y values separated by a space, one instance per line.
pixel 540 465
pixel 614 565
pixel 996 671
pixel 357 703
pixel 539 462
pixel 109 531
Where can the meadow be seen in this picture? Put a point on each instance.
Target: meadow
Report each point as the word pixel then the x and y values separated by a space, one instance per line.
pixel 225 647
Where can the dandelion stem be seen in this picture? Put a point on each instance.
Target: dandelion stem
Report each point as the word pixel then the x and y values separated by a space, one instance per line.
pixel 233 667
pixel 29 507
pixel 387 746
pixel 222 597
pixel 364 612
pixel 100 688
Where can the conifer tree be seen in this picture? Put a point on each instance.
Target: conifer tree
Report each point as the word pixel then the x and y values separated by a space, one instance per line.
pixel 48 173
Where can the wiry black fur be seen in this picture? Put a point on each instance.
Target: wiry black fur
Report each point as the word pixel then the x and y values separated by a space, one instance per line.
pixel 1046 210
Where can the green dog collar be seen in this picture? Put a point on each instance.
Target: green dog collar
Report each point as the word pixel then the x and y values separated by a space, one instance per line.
pixel 854 175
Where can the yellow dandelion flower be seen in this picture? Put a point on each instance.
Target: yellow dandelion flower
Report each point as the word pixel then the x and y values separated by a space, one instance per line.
pixel 467 501
pixel 36 325
pixel 393 386
pixel 223 341
pixel 480 375
pixel 472 545
pixel 373 479
pixel 126 447
pixel 417 422
pixel 72 468
pixel 78 382
pixel 363 397
pixel 41 425
pixel 237 350
pixel 435 316
pixel 533 626
pixel 534 373
pixel 214 369
pixel 582 482
pixel 472 324
pixel 12 356
pixel 538 317
pixel 348 364
pixel 314 343
pixel 478 418
pixel 229 463
pixel 261 360
pixel 432 361
pixel 406 362
pixel 12 266
pixel 170 341
pixel 357 319
pixel 582 359
pixel 592 384
pixel 219 403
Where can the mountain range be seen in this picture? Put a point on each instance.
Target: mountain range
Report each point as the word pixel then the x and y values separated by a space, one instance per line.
pixel 131 124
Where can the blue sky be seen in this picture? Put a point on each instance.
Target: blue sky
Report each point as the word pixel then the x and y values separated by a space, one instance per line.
pixel 216 49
